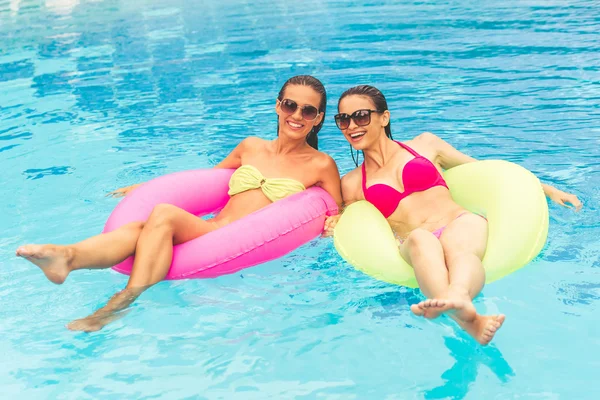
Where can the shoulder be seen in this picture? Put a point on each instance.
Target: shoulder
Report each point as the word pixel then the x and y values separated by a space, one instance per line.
pixel 429 145
pixel 323 161
pixel 252 142
pixel 250 145
pixel 427 139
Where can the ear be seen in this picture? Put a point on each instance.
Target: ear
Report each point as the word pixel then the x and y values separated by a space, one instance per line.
pixel 385 118
pixel 318 120
pixel 277 103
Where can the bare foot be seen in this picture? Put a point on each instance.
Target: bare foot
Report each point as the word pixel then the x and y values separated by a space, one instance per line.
pixel 116 308
pixel 88 324
pixel 459 306
pixel 94 322
pixel 54 261
pixel 431 308
pixel 483 327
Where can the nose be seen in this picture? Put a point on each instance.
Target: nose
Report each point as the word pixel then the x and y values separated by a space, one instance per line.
pixel 352 124
pixel 297 115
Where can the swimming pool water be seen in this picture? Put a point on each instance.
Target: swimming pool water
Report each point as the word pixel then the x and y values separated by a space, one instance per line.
pixel 95 95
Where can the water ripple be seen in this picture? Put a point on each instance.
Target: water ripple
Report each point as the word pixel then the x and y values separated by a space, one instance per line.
pixel 96 95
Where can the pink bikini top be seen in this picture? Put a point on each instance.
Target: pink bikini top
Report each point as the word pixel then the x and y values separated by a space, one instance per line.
pixel 418 175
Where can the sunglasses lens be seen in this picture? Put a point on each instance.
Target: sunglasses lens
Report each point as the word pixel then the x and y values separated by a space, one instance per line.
pixel 288 106
pixel 342 121
pixel 309 113
pixel 362 117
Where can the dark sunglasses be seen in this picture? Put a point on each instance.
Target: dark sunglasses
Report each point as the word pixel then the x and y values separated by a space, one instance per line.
pixel 309 113
pixel 360 118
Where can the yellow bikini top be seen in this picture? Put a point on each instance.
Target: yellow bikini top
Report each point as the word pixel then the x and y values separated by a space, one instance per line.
pixel 248 177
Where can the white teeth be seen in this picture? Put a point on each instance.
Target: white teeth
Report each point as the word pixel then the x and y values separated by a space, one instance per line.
pixel 355 135
pixel 294 125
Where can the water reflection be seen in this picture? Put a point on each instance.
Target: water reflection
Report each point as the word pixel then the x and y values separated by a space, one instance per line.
pixel 469 357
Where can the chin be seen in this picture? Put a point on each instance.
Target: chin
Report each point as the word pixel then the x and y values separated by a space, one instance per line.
pixel 296 135
pixel 359 146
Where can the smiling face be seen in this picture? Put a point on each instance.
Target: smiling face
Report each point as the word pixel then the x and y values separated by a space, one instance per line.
pixel 294 125
pixel 363 137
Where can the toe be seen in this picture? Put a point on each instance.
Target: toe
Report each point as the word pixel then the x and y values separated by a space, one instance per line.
pixel 433 303
pixel 22 252
pixel 436 303
pixel 498 321
pixel 417 309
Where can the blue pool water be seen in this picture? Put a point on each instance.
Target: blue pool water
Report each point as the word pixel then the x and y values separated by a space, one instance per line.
pixel 95 95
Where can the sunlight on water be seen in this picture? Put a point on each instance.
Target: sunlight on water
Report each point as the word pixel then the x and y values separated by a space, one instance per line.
pixel 98 94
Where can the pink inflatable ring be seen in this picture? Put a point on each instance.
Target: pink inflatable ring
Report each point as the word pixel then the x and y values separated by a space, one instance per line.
pixel 264 235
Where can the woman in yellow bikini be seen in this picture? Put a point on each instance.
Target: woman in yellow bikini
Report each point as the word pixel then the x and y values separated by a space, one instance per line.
pixel 267 171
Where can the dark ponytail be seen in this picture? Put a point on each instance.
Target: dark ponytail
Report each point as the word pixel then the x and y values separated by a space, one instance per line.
pixel 379 102
pixel 306 80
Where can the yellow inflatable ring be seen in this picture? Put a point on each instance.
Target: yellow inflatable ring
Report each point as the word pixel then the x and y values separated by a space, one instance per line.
pixel 509 196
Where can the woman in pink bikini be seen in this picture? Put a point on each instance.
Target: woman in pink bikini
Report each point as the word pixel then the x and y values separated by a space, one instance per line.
pixel 442 241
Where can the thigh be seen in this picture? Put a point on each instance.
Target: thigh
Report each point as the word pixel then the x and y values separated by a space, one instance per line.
pixel 187 226
pixel 466 234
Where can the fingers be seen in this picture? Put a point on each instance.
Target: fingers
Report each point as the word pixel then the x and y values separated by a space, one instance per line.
pixel 562 203
pixel 575 202
pixel 329 225
pixel 327 231
pixel 330 222
pixel 576 205
pixel 115 193
pixel 570 202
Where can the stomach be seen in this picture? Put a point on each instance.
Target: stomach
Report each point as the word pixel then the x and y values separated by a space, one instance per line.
pixel 430 210
pixel 240 205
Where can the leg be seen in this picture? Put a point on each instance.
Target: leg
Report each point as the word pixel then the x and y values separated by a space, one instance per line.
pixel 424 252
pixel 464 242
pixel 167 226
pixel 100 251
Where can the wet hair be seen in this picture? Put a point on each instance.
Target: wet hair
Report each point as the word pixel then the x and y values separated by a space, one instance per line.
pixel 379 102
pixel 306 80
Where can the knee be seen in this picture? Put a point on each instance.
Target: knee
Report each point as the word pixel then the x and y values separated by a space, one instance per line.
pixel 420 241
pixel 136 226
pixel 161 216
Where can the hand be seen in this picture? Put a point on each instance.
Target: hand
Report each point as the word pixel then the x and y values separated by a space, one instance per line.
pixel 565 199
pixel 330 224
pixel 124 191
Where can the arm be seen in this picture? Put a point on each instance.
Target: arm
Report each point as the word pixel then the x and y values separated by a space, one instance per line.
pixel 330 180
pixel 124 191
pixel 349 196
pixel 448 157
pixel 564 199
pixel 351 188
pixel 445 155
pixel 233 160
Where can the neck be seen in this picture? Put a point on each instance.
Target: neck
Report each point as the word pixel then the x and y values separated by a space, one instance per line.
pixel 285 145
pixel 380 152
